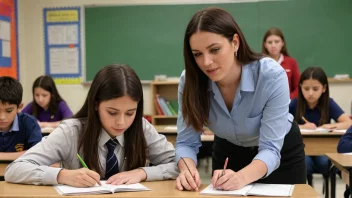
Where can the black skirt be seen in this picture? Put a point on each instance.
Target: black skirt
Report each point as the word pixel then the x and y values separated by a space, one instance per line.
pixel 292 169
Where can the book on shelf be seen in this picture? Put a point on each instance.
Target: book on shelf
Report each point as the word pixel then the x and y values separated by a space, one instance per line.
pixel 164 107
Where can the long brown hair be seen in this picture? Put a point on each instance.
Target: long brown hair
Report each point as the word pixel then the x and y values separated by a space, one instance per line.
pixel 112 81
pixel 315 73
pixel 47 83
pixel 195 99
pixel 277 32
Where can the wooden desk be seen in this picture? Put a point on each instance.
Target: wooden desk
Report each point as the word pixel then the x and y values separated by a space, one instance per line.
pixel 46 131
pixel 158 189
pixel 318 143
pixel 344 164
pixel 171 134
pixel 2 171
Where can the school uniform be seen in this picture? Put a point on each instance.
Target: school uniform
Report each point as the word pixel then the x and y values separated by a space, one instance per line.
pixel 292 70
pixel 257 126
pixel 317 163
pixel 62 144
pixel 345 144
pixel 23 134
pixel 63 111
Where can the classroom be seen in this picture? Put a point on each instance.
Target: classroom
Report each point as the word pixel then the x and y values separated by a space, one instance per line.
pixel 148 35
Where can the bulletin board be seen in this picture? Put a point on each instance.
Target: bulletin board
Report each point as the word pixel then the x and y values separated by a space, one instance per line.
pixel 9 63
pixel 63 44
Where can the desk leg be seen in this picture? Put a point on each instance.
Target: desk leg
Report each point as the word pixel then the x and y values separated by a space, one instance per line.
pixel 332 174
pixel 327 182
pixel 350 175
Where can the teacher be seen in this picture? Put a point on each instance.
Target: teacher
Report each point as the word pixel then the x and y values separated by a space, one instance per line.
pixel 243 97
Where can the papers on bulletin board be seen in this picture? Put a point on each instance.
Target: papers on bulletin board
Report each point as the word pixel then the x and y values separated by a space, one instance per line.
pixel 64 60
pixel 63 44
pixel 63 34
pixel 5 30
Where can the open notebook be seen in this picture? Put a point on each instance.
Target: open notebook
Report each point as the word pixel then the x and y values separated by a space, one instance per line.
pixel 324 130
pixel 104 188
pixel 257 189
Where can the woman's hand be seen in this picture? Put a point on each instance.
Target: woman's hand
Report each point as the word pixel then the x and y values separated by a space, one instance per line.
pixel 229 181
pixel 128 177
pixel 78 178
pixel 188 180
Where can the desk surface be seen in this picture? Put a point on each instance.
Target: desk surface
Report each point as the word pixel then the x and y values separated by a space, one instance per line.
pixel 158 189
pixel 340 159
pixel 2 169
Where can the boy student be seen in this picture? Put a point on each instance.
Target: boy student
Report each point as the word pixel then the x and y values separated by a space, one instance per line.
pixel 18 131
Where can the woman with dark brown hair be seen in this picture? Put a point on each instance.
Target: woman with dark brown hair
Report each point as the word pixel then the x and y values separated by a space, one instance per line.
pixel 274 45
pixel 110 134
pixel 243 97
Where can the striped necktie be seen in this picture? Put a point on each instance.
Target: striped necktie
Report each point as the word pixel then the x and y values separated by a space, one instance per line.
pixel 112 164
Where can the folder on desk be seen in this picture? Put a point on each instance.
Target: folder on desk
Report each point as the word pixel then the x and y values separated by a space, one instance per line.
pixel 257 189
pixel 103 189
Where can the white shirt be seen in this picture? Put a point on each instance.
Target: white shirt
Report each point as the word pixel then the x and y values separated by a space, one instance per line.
pixel 61 146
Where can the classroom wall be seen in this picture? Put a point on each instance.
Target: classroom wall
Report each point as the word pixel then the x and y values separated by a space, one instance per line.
pixel 31 50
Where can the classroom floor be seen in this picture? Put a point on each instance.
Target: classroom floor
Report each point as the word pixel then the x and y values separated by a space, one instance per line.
pixel 205 174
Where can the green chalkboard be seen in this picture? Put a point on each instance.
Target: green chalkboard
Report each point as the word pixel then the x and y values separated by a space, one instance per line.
pixel 150 37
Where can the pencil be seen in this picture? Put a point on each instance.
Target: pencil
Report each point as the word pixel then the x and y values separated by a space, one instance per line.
pixel 82 162
pixel 304 119
pixel 189 170
pixel 225 165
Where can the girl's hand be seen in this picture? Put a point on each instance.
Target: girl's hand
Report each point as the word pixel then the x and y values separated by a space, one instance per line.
pixel 188 181
pixel 330 126
pixel 229 181
pixel 128 177
pixel 78 178
pixel 44 124
pixel 309 125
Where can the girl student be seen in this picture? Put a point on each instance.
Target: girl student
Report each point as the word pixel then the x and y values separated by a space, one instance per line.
pixel 275 46
pixel 47 106
pixel 110 134
pixel 314 108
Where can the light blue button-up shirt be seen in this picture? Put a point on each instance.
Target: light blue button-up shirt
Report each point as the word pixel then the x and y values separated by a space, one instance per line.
pixel 259 115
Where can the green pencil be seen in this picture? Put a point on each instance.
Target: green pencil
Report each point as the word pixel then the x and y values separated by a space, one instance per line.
pixel 82 162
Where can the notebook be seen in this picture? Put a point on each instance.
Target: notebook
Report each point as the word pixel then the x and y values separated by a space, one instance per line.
pixel 316 130
pixel 272 190
pixel 324 130
pixel 103 189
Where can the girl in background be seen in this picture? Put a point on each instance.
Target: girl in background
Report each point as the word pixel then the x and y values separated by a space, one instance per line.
pixel 110 134
pixel 274 45
pixel 47 106
pixel 317 108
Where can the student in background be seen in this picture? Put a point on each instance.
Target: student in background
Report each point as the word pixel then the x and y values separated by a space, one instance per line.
pixel 19 131
pixel 47 106
pixel 315 106
pixel 274 45
pixel 110 134
pixel 345 144
pixel 243 98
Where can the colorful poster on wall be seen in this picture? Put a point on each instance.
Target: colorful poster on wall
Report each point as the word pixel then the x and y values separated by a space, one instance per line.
pixel 63 44
pixel 9 64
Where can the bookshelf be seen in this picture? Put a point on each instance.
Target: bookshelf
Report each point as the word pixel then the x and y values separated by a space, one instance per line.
pixel 168 90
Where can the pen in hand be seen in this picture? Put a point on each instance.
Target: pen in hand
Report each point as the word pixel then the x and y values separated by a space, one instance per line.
pixel 194 179
pixel 225 165
pixel 85 165
pixel 304 119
